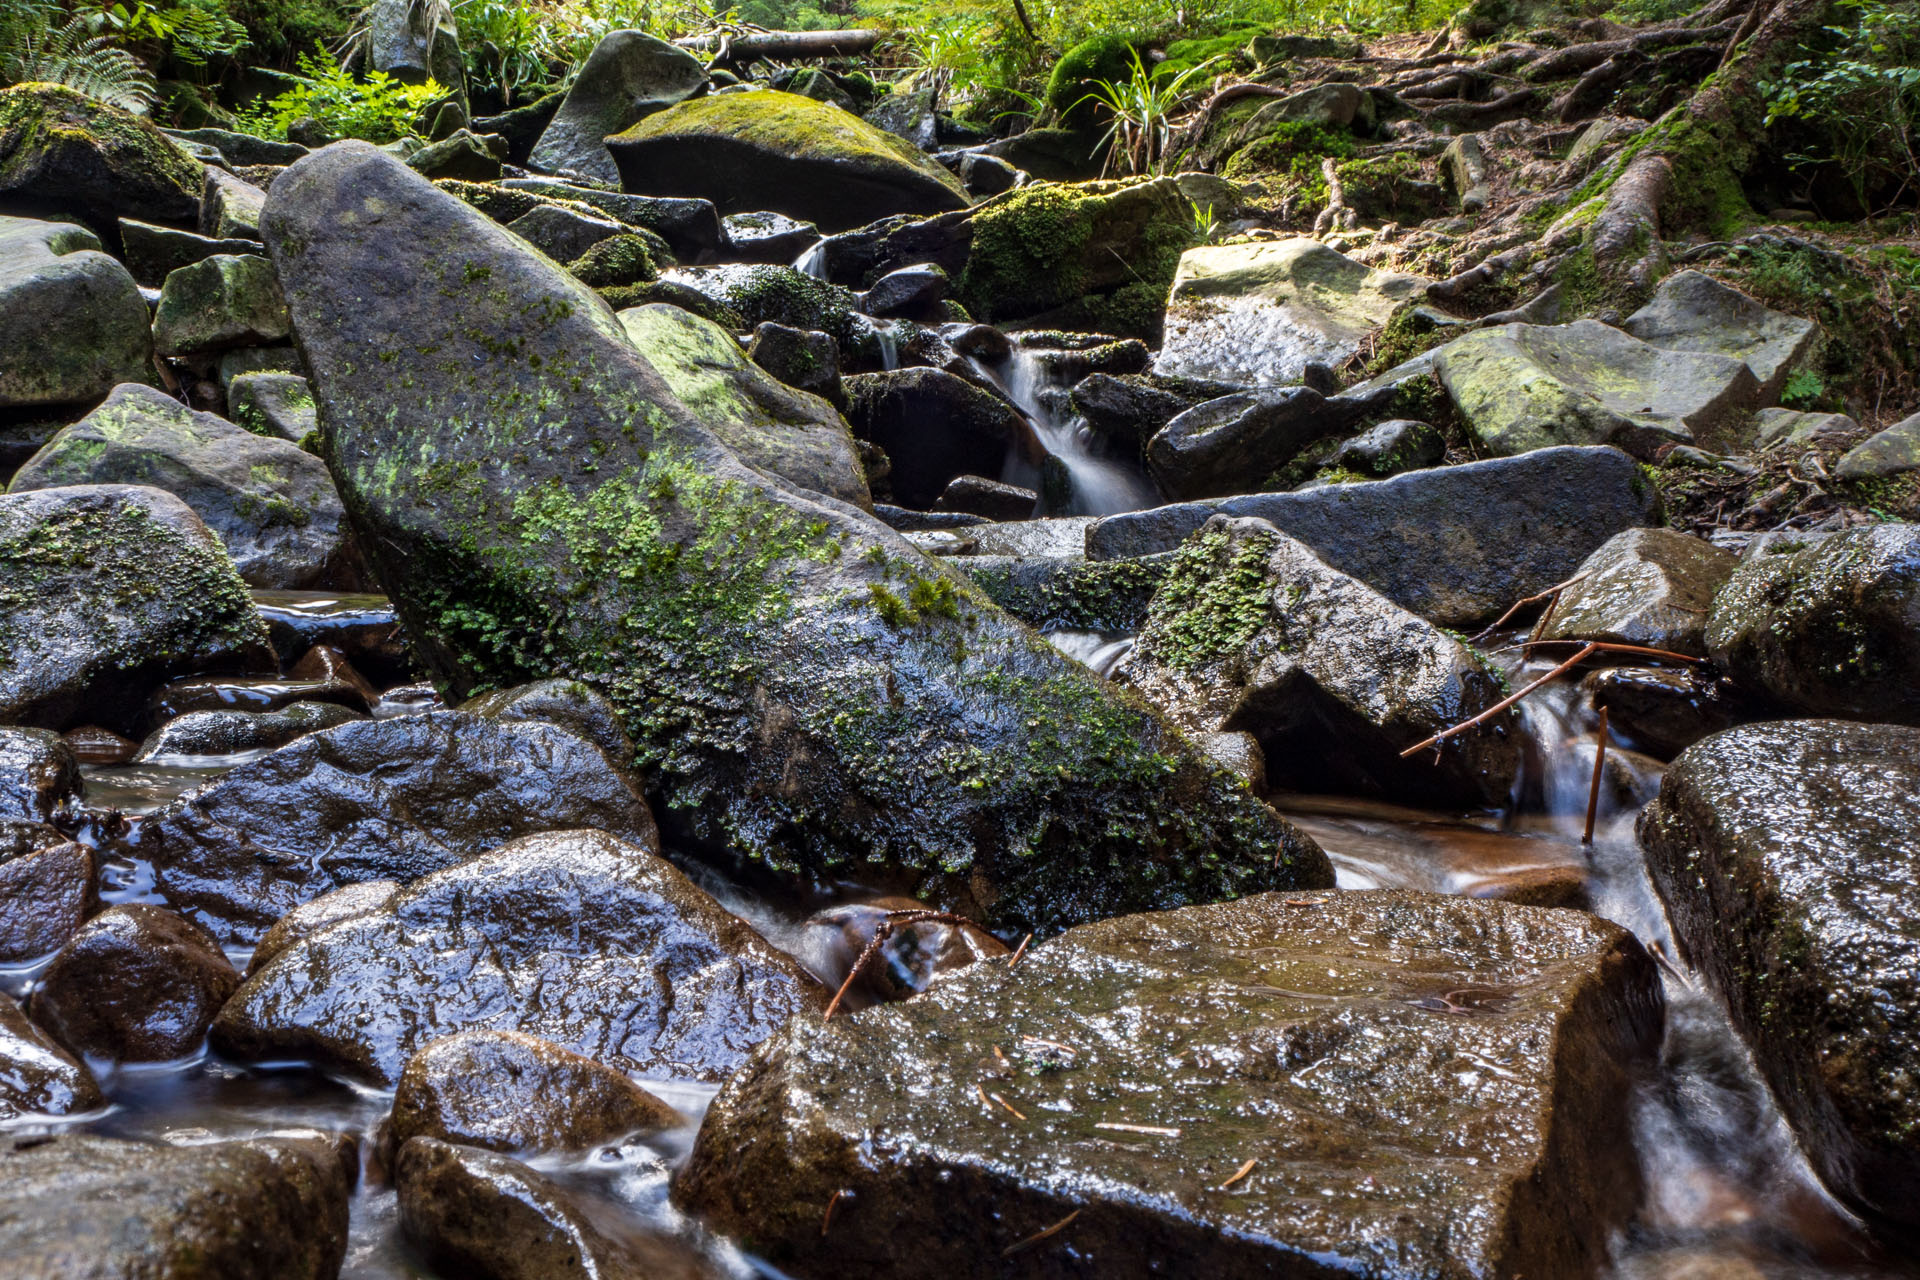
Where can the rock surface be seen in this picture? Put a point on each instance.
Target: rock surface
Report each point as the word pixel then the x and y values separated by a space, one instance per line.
pixel 64 152
pixel 48 887
pixel 576 707
pixel 1691 311
pixel 936 427
pixel 136 984
pixel 226 300
pixel 38 775
pixel 219 733
pixel 72 324
pixel 628 76
pixel 37 1076
pixel 1650 587
pixel 1226 446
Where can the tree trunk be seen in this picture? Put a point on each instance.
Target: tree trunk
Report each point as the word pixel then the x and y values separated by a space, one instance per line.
pixel 782 45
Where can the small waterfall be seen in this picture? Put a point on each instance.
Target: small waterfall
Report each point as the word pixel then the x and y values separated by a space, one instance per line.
pixel 814 261
pixel 1099 651
pixel 887 334
pixel 1101 486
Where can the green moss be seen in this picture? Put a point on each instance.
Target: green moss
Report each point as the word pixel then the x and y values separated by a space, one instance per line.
pixel 1100 595
pixel 1108 56
pixel 51 128
pixel 617 260
pixel 1214 600
pixel 1282 150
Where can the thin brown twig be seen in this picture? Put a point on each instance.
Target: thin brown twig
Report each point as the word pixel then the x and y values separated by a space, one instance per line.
pixel 1019 951
pixel 894 920
pixel 1040 1235
pixel 1239 1173
pixel 826 1219
pixel 1599 763
pixel 1013 1110
pixel 1518 605
pixel 1501 705
pixel 1609 646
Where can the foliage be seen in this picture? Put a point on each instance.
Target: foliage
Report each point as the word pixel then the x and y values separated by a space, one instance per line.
pixel 38 42
pixel 1140 113
pixel 377 109
pixel 1859 98
pixel 192 33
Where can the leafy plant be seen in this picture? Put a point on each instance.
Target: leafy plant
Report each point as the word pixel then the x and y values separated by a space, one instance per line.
pixel 377 109
pixel 193 33
pixel 1141 110
pixel 39 42
pixel 1859 100
pixel 1206 222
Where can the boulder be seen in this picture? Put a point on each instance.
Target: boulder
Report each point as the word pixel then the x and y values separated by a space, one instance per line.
pixel 985 175
pixel 1662 711
pixel 1424 1085
pixel 1391 447
pixel 272 505
pixel 508 1091
pixel 135 984
pixel 1455 545
pixel 583 523
pixel 37 1076
pixel 48 887
pixel 359 624
pixel 1048 592
pixel 93 744
pixel 914 292
pixel 219 302
pixel 750 294
pixel 153 253
pixel 578 708
pixel 1232 444
pixel 769 426
pixel 261 1209
pixel 935 427
pixel 230 207
pixel 241 148
pixel 766 236
pixel 72 323
pixel 64 152
pixel 1831 628
pixel 780 151
pixel 690 227
pixel 805 359
pixel 1464 167
pixel 105 591
pixel 1124 411
pixel 464 155
pixel 1651 587
pixel 1691 311
pixel 38 775
pixel 1525 386
pixel 1804 430
pixel 276 405
pixel 364 898
pixel 1261 312
pixel 376 799
pixel 222 733
pixel 576 937
pixel 325 681
pixel 1788 858
pixel 1884 469
pixel 908 112
pixel 629 76
pixel 989 498
pixel 562 234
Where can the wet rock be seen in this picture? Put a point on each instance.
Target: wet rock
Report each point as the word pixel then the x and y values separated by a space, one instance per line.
pixel 572 705
pixel 572 936
pixel 1126 410
pixel 690 227
pixel 256 694
pixel 908 113
pixel 38 774
pixel 1392 447
pixel 1786 853
pixel 910 956
pixel 936 427
pixel 1831 628
pixel 261 1209
pixel 1453 544
pixel 366 898
pixel 1884 462
pixel 508 1091
pixel 1662 711
pixel 1650 587
pixel 48 888
pixel 629 76
pixel 1059 591
pixel 913 292
pixel 106 590
pixel 376 799
pixel 361 625
pixel 989 498
pixel 136 984
pixel 1691 311
pixel 1261 312
pixel 563 234
pixel 804 359
pixel 153 253
pixel 278 405
pixel 1251 632
pixel 226 300
pixel 1232 444
pixel 1495 1044
pixel 219 733
pixel 272 505
pixel 64 152
pixel 37 1076
pixel 780 151
pixel 93 744
pixel 766 237
pixel 985 175
pixel 769 425
pixel 72 323
pixel 478 1214
pixel 746 295
pixel 1519 387
pixel 230 207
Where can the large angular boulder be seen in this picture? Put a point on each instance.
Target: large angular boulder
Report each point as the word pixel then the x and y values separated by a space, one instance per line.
pixel 803 685
pixel 1388 1084
pixel 230 207
pixel 272 505
pixel 1232 444
pixel 1883 470
pixel 372 800
pixel 780 151
pixel 72 323
pixel 1259 313
pixel 628 76
pixel 153 253
pixel 106 591
pixel 1829 628
pixel 771 427
pixel 1455 545
pixel 1691 311
pixel 1650 587
pixel 1250 632
pixel 37 1076
pixel 63 152
pixel 48 888
pixel 935 427
pixel 135 984
pixel 1788 857
pixel 578 708
pixel 226 300
pixel 260 1209
pixel 573 936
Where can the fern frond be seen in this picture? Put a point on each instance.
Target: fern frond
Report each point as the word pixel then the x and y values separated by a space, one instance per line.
pixel 33 48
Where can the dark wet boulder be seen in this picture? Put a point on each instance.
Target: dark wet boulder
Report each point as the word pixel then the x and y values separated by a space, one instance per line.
pixel 914 292
pixel 49 885
pixel 241 148
pixel 745 295
pixel 219 733
pixel 628 76
pixel 508 1091
pixel 690 227
pixel 37 1076
pixel 575 937
pixel 989 498
pixel 563 234
pixel 765 236
pixel 153 253
pixel 94 744
pixel 38 775
pixel 780 151
pixel 361 625
pixel 1250 632
pixel 1788 857
pixel 272 505
pixel 936 427
pixel 1424 1085
pixel 72 323
pixel 373 800
pixel 805 359
pixel 1829 628
pixel 573 705
pixel 260 1209
pixel 227 300
pixel 912 954
pixel 1232 444
pixel 804 686
pixel 105 591
pixel 363 898
pixel 63 152
pixel 136 984
pixel 258 694
pixel 1663 711
pixel 1649 587
pixel 1126 410
pixel 1063 591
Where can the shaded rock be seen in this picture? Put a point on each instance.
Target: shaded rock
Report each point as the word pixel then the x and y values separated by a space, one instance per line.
pixel 572 705
pixel 241 148
pixel 989 498
pixel 1051 155
pixel 522 126
pixel 573 936
pixel 1250 632
pixel 1127 409
pixel 218 302
pixel 1394 446
pixel 912 292
pixel 1261 312
pixel 508 1091
pixel 261 1209
pixel 136 984
pixel 1832 628
pixel 219 733
pixel 1772 426
pixel 804 359
pixel 780 151
pixel 628 76
pixel 1232 444
pixel 257 694
pixel 985 175
pixel 153 253
pixel 93 744
pixel 463 155
pixel 72 323
pixel 746 295
pixel 63 152
pixel 910 956
pixel 908 113
pixel 272 505
pixel 244 360
pixel 1787 856
pixel 48 887
pixel 1296 1036
pixel 936 427
pixel 230 207
pixel 769 425
pixel 563 234
pixel 38 775
pixel 1650 587
pixel 1662 711
pixel 1522 386
pixel 368 897
pixel 1691 311
pixel 279 405
pixel 325 665
pixel 373 800
pixel 766 237
pixel 690 227
pixel 1892 455
pixel 105 591
pixel 1057 591
pixel 1464 166
pixel 1453 544
pixel 37 1076
pixel 361 625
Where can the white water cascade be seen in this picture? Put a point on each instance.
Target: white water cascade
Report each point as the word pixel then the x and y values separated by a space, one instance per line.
pixel 1100 486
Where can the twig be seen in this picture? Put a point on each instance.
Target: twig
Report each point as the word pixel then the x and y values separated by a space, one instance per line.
pixel 1609 646
pixel 1599 763
pixel 826 1219
pixel 1518 605
pixel 1157 1131
pixel 1239 1173
pixel 1015 1111
pixel 1040 1235
pixel 1019 951
pixel 1501 705
pixel 894 920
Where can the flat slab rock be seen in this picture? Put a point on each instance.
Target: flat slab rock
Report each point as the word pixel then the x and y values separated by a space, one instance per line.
pixel 1428 1086
pixel 1691 311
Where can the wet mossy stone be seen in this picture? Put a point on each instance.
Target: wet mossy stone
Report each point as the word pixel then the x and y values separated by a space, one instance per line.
pixel 135 984
pixel 780 151
pixel 756 293
pixel 227 300
pixel 61 151
pixel 1650 587
pixel 49 885
pixel 277 405
pixel 152 253
pixel 1329 1039
pixel 574 706
pixel 628 76
pixel 802 684
pixel 37 1076
pixel 39 775
pixel 72 322
pixel 1789 859
pixel 219 733
pixel 106 591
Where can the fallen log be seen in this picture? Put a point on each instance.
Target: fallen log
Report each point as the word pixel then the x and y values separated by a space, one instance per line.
pixel 782 46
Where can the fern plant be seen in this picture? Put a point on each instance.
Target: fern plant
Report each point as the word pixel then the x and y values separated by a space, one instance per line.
pixel 377 109
pixel 40 43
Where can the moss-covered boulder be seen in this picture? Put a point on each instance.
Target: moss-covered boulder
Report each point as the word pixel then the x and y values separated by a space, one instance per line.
pixel 770 426
pixel 227 300
pixel 1108 56
pixel 803 685
pixel 1883 470
pixel 780 151
pixel 63 152
pixel 629 76
pixel 72 323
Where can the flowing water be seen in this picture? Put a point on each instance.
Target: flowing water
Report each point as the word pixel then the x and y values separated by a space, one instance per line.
pixel 1099 486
